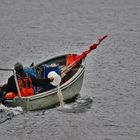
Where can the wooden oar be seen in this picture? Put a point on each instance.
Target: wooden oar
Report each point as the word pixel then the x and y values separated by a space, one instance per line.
pixel 81 56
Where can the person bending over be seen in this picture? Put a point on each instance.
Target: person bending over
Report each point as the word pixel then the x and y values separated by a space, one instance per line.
pixel 25 82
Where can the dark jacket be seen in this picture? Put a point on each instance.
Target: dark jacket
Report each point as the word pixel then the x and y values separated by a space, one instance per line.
pixel 11 85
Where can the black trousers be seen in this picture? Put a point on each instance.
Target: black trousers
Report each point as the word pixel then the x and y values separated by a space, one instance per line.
pixel 1 96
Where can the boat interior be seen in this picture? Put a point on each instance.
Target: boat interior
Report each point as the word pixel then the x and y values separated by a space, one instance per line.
pixel 59 66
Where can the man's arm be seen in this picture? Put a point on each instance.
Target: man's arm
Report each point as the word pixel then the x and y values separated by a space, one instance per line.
pixel 41 81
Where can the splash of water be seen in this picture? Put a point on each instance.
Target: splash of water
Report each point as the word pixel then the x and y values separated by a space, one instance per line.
pixel 7 113
pixel 60 97
pixel 81 105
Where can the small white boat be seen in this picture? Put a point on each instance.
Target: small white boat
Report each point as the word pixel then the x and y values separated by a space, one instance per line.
pixel 70 87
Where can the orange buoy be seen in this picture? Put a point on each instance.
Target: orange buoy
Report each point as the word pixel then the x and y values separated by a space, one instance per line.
pixel 70 58
pixel 10 95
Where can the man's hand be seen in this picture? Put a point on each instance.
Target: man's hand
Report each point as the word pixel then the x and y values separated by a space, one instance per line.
pixel 51 79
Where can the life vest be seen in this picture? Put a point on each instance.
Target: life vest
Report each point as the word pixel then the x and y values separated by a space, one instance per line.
pixel 25 86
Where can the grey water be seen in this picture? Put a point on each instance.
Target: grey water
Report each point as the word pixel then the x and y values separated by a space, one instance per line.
pixel 108 107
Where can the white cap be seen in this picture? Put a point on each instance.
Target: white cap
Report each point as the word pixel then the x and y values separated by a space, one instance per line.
pixel 57 78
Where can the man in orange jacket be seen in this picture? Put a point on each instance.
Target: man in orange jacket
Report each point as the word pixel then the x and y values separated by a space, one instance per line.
pixel 20 73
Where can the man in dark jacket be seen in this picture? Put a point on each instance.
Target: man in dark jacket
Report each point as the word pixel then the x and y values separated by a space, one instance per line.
pixel 11 85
